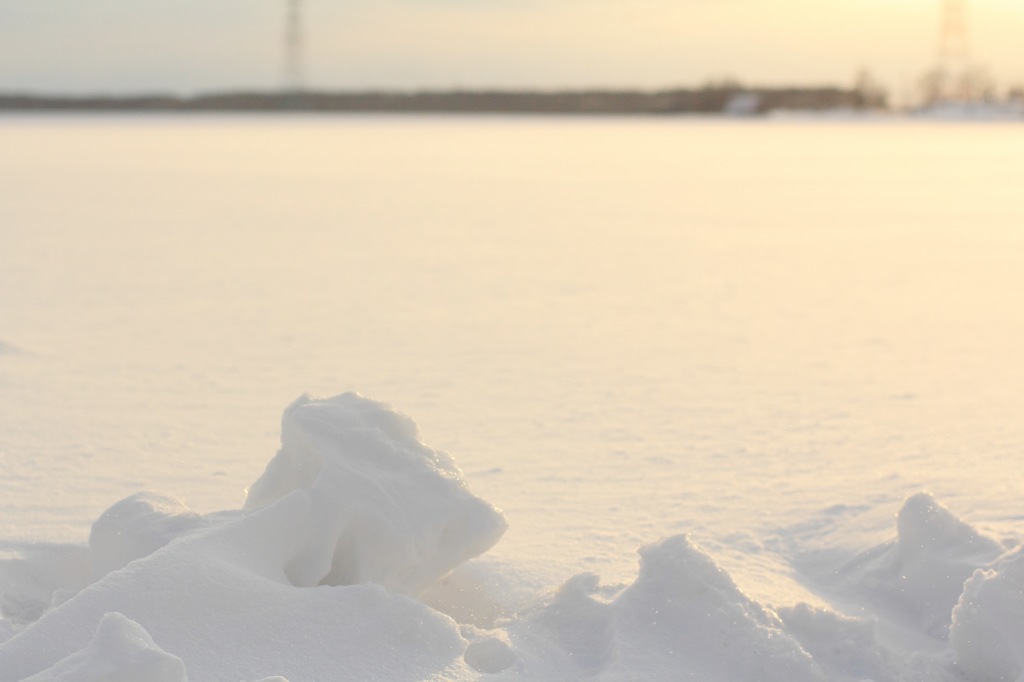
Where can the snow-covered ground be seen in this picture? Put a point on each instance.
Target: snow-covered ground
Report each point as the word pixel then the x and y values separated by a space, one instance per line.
pixel 715 400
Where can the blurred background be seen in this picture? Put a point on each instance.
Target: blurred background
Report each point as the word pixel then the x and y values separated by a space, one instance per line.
pixel 193 46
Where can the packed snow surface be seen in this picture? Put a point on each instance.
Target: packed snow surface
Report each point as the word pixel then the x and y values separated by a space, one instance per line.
pixel 747 394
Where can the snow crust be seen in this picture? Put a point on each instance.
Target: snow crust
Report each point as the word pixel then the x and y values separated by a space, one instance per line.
pixel 340 566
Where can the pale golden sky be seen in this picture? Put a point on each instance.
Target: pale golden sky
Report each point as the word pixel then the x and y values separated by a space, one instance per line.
pixel 195 45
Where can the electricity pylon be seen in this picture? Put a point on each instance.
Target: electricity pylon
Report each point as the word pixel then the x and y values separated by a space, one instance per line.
pixel 953 48
pixel 953 32
pixel 293 48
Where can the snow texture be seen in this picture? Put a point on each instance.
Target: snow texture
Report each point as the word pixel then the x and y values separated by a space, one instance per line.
pixel 320 575
pixel 988 622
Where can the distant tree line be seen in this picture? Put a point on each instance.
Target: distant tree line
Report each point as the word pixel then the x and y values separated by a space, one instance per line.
pixel 710 99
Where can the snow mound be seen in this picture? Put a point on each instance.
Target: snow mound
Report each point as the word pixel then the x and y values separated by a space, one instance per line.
pixel 35 577
pixel 683 618
pixel 352 496
pixel 391 510
pixel 988 622
pixel 136 527
pixel 919 576
pixel 121 651
pixel 845 647
pixel 490 653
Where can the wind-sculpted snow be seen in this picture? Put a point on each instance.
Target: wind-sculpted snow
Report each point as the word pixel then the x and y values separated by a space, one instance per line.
pixel 388 509
pixel 917 577
pixel 320 575
pixel 683 618
pixel 238 595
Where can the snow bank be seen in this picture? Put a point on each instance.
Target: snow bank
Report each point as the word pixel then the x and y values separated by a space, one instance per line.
pixel 347 561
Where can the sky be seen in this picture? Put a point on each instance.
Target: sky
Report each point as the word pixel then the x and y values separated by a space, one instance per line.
pixel 190 46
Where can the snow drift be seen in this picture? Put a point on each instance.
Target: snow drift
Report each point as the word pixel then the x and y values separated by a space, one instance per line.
pixel 918 576
pixel 318 577
pixel 353 498
pixel 683 618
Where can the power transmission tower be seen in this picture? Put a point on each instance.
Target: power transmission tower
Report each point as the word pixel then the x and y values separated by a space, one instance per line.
pixel 953 47
pixel 953 33
pixel 293 47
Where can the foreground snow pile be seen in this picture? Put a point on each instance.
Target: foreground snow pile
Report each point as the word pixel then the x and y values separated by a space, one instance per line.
pixel 320 575
pixel 352 497
pixel 918 577
pixel 385 509
pixel 683 613
pixel 988 622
